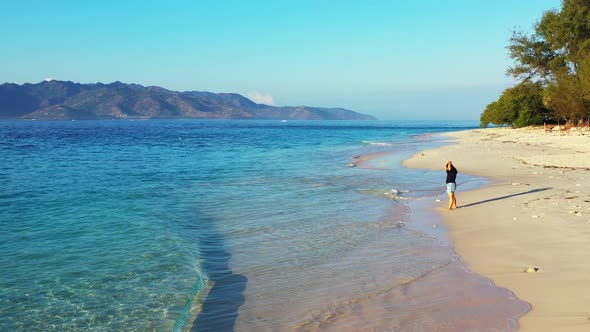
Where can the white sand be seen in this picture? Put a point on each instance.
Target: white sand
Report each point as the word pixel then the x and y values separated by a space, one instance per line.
pixel 536 213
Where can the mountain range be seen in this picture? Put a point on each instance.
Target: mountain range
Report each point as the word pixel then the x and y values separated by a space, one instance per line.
pixel 65 100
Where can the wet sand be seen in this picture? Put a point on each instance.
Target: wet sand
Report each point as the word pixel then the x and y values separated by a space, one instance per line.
pixel 407 278
pixel 448 298
pixel 535 214
pixel 364 291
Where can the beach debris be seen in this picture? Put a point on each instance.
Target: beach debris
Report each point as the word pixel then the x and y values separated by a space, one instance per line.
pixel 514 218
pixel 534 216
pixel 356 157
pixel 578 214
pixel 532 269
pixel 352 164
pixel 437 200
pixel 578 185
pixel 434 225
pixel 422 154
pixel 515 183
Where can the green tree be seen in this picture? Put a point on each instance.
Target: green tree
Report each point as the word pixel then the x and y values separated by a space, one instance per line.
pixel 533 59
pixel 497 113
pixel 569 96
pixel 561 40
pixel 584 78
pixel 556 57
pixel 519 106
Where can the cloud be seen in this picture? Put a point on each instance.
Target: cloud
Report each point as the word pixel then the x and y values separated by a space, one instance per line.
pixel 261 98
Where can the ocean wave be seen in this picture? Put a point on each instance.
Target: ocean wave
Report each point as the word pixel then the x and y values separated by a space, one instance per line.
pixel 391 194
pixel 377 143
pixel 395 194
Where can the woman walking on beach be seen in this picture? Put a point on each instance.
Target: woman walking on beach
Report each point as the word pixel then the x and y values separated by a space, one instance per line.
pixel 451 185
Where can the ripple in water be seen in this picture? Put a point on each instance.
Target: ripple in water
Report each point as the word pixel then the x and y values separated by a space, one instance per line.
pixel 211 226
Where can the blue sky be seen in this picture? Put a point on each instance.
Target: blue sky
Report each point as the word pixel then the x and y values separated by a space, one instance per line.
pixel 392 59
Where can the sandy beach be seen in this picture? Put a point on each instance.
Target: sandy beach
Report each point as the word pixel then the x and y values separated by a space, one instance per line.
pixel 535 213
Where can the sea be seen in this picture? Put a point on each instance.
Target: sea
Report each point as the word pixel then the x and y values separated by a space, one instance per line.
pixel 192 225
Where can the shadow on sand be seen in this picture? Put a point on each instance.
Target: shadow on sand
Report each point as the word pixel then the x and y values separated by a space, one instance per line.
pixel 505 197
pixel 220 309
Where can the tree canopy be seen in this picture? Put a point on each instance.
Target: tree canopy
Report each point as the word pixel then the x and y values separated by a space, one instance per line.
pixel 519 106
pixel 553 66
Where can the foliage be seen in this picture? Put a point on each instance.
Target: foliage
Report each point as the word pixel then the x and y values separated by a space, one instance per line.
pixel 519 106
pixel 564 99
pixel 532 56
pixel 556 57
pixel 560 42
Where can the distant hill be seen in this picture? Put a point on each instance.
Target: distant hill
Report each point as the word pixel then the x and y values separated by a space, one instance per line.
pixel 64 100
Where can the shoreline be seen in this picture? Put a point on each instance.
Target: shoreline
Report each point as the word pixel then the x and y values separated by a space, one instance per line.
pixel 534 213
pixel 454 308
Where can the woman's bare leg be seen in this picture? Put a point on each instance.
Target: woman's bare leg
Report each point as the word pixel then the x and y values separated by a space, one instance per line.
pixel 451 199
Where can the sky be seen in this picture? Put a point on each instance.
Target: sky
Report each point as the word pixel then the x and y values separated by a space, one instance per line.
pixel 396 60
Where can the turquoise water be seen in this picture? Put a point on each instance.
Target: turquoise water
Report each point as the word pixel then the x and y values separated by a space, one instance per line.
pixel 205 225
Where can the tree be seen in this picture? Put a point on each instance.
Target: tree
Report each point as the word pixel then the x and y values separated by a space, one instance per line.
pixel 569 96
pixel 497 113
pixel 519 106
pixel 561 39
pixel 532 57
pixel 584 78
pixel 556 58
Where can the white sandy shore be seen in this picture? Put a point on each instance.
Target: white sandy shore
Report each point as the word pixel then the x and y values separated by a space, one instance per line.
pixel 535 214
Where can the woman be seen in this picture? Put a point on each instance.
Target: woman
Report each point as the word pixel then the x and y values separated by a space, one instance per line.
pixel 451 185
